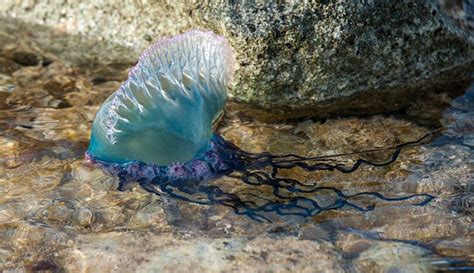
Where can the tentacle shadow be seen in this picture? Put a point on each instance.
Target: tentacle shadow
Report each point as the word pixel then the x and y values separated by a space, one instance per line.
pixel 289 196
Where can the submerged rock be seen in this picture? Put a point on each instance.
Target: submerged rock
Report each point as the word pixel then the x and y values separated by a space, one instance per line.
pixel 323 58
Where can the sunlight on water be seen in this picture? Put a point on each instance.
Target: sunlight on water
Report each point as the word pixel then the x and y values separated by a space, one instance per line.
pixel 57 212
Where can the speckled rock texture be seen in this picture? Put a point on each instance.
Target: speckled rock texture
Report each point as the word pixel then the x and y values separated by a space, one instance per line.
pixel 321 59
pixel 347 57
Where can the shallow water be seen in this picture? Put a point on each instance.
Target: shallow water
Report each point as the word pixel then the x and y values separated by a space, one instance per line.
pixel 58 213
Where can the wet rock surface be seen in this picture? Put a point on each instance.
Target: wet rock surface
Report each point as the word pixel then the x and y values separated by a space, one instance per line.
pixel 321 59
pixel 346 58
pixel 58 213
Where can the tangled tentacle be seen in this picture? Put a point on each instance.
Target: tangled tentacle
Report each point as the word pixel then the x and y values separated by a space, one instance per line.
pixel 291 195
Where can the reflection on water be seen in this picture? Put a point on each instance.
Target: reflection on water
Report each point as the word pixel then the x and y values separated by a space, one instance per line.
pixel 57 212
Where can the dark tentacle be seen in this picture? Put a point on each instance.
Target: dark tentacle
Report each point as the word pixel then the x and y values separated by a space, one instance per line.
pixel 290 196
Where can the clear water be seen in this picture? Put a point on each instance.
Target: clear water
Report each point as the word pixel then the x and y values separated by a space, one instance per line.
pixel 59 214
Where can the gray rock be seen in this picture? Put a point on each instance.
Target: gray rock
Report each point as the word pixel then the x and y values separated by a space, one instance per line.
pixel 322 58
pixel 343 57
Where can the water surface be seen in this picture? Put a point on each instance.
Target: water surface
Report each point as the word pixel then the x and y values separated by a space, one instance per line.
pixel 59 213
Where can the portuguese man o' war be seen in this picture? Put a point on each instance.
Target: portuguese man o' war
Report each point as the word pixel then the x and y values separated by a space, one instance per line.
pixel 156 129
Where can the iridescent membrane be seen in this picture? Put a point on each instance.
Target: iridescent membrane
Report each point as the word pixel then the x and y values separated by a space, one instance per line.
pixel 163 112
